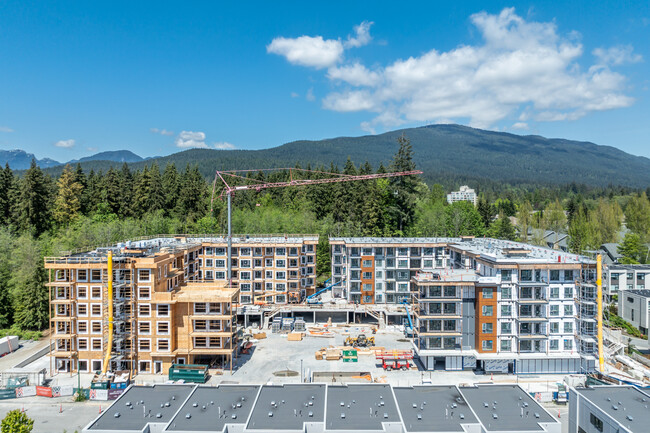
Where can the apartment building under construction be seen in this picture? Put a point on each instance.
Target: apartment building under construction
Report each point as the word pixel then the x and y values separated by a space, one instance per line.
pixel 171 301
pixel 483 304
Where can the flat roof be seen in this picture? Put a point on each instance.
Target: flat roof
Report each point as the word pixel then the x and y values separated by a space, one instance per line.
pixel 644 292
pixel 440 409
pixel 506 408
pixel 360 407
pixel 628 401
pixel 288 407
pixel 146 403
pixel 211 408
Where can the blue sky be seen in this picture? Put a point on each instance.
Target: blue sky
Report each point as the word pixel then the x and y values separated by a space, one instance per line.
pixel 77 78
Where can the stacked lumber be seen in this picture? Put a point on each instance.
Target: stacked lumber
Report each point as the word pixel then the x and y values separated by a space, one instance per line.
pixel 260 336
pixel 295 336
pixel 332 354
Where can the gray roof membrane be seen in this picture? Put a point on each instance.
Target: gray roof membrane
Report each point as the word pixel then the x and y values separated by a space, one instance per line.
pixel 211 408
pixel 360 407
pixel 433 409
pixel 288 407
pixel 146 403
pixel 506 408
pixel 620 403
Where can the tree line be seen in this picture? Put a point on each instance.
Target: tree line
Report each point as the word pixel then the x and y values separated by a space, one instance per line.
pixel 41 215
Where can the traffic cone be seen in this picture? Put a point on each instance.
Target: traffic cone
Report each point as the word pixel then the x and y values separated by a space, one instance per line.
pixel 23 409
pixel 61 408
pixel 100 408
pixel 492 376
pixel 559 415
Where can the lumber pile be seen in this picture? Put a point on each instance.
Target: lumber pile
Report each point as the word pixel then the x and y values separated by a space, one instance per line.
pixel 295 336
pixel 260 336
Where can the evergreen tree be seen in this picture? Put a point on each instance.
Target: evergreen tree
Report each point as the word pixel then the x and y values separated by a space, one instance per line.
pixel 637 216
pixel 31 303
pixel 171 189
pixel 6 194
pixel 67 205
pixel 438 193
pixel 323 256
pixel 111 191
pixel 581 232
pixel 126 186
pixel 404 187
pixel 157 198
pixel 6 304
pixel 555 220
pixel 502 228
pixel 92 194
pixel 194 194
pixel 486 210
pixel 524 220
pixel 81 179
pixel 462 219
pixel 33 201
pixel 631 249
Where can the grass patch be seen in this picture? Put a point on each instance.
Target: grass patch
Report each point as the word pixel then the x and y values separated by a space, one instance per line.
pixel 23 334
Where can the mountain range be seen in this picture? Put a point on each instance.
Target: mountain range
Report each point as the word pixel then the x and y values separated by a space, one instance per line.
pixel 21 160
pixel 451 152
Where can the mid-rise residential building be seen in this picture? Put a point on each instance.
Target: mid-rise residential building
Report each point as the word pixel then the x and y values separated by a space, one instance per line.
pixel 625 277
pixel 465 193
pixel 171 299
pixel 481 304
pixel 608 409
pixel 634 307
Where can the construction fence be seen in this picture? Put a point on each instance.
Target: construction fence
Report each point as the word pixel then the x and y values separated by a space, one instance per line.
pixel 60 391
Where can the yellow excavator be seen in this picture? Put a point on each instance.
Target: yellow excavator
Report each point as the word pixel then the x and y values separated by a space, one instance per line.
pixel 360 341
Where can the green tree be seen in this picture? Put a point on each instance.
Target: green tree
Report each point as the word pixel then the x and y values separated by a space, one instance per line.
pixel 524 220
pixel 404 188
pixel 33 201
pixel 462 219
pixel 6 249
pixel 487 212
pixel 502 228
pixel 111 191
pixel 126 187
pixel 67 204
pixel 6 194
pixel 193 194
pixel 16 422
pixel 581 232
pixel 637 216
pixel 31 300
pixel 323 256
pixel 631 249
pixel 555 220
pixel 171 189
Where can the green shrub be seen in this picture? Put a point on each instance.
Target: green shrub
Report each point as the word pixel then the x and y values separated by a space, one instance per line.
pixel 16 422
pixel 23 334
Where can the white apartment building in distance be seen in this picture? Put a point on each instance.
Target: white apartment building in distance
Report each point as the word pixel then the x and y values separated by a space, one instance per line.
pixel 484 304
pixel 464 194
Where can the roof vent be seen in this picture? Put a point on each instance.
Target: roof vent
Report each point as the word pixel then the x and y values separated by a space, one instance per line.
pixel 485 404
pixel 536 415
pixel 415 405
pixel 342 403
pixel 495 416
pixel 117 415
pixel 310 414
pixel 128 403
pixel 385 415
pixel 614 407
pixel 188 416
pixel 342 415
pixel 419 417
pixel 166 404
pixel 461 416
pixel 195 404
pixel 630 418
pixel 238 404
pixel 270 414
pixel 158 415
pixel 233 416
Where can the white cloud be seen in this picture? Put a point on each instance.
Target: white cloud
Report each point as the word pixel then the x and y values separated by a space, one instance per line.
pixel 522 69
pixel 224 145
pixel 295 95
pixel 520 125
pixel 310 94
pixel 162 132
pixel 191 139
pixel 67 144
pixel 6 129
pixel 310 51
pixel 91 149
pixel 617 55
pixel 362 35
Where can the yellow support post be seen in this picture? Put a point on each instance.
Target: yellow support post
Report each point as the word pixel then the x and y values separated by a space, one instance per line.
pixel 599 285
pixel 109 345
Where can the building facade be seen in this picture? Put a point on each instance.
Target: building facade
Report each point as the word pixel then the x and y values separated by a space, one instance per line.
pixel 634 307
pixel 480 304
pixel 465 193
pixel 608 409
pixel 171 300
pixel 617 278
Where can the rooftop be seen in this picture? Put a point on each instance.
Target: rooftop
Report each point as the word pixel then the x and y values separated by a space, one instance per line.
pixel 618 267
pixel 360 407
pixel 141 405
pixel 288 407
pixel 433 409
pixel 645 292
pixel 627 405
pixel 506 408
pixel 210 409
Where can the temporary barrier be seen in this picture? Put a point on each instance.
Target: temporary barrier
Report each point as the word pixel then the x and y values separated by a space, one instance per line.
pixel 99 394
pixel 44 391
pixel 26 391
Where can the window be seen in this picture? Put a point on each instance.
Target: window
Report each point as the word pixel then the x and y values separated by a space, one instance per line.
pixel 96 292
pixel 144 310
pixel 568 275
pixel 144 345
pixel 402 263
pixel 568 344
pixel 488 293
pixel 83 365
pixel 96 326
pixel 96 344
pixel 82 275
pixel 554 310
pixel 82 344
pixel 82 309
pixel 568 292
pixel 555 327
pixel 144 328
pixel 506 310
pixel 554 344
pixel 144 366
pixel 280 263
pixel 96 310
pixel 367 263
pixel 144 292
pixel 367 287
pixel 144 275
pixel 596 422
pixel 96 364
pixel 506 345
pixel 367 275
pixel 162 345
pixel 526 275
pixel 568 310
pixel 450 291
pixel 487 310
pixel 487 344
pixel 82 327
pixel 568 327
pixel 506 327
pixel 163 310
pixel 555 292
pixel 96 275
pixel 82 292
pixel 487 328
pixel 555 275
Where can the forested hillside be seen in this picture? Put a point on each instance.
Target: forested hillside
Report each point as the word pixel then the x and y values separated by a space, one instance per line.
pixel 41 215
pixel 447 154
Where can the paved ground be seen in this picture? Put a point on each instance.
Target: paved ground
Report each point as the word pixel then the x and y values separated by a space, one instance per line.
pixel 54 415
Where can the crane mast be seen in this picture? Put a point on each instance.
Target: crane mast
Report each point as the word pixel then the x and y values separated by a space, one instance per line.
pixel 229 190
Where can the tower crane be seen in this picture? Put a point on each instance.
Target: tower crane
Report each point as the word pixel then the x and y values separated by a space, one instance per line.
pixel 233 175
